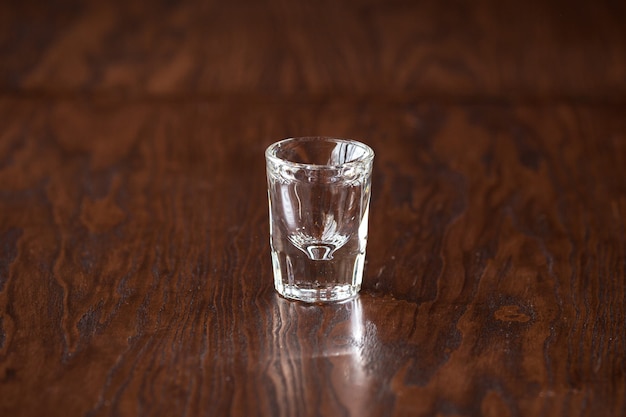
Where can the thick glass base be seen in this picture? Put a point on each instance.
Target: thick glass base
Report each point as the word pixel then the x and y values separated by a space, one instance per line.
pixel 319 295
pixel 317 281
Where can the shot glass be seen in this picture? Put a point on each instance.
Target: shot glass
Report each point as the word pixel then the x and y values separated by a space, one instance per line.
pixel 319 194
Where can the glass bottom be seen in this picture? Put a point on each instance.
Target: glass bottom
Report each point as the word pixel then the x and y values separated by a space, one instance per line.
pixel 297 277
pixel 319 295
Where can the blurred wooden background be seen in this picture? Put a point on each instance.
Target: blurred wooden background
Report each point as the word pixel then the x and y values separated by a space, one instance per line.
pixel 135 276
pixel 453 50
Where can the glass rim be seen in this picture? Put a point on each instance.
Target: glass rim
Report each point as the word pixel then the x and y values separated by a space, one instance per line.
pixel 270 152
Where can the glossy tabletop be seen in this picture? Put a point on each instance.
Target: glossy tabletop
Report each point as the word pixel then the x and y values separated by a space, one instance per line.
pixel 135 272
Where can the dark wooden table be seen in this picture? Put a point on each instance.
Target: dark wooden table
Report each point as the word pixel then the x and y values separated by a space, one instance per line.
pixel 135 275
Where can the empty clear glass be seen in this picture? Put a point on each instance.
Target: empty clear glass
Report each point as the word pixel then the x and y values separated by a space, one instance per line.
pixel 319 193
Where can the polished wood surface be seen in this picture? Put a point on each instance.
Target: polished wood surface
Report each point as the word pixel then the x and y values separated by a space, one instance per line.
pixel 426 49
pixel 135 277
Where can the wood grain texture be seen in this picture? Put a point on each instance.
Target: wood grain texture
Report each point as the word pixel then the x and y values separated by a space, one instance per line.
pixel 136 277
pixel 456 49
